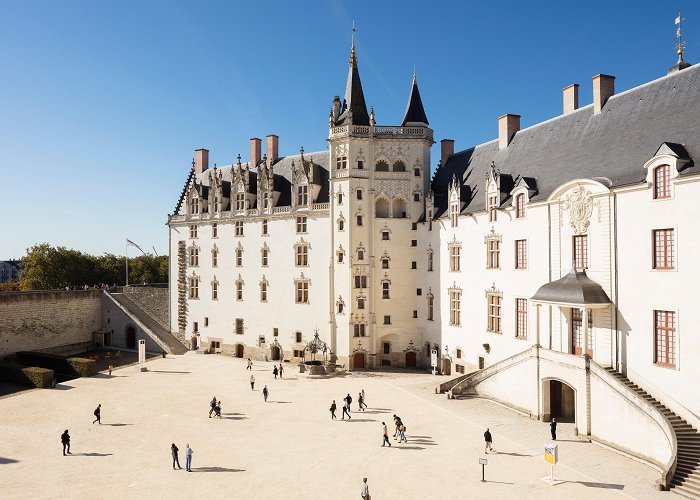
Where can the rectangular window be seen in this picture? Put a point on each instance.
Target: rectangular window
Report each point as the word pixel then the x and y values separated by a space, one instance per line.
pixel 360 303
pixel 454 214
pixel 663 249
pixel 341 256
pixel 385 263
pixel 577 331
pixel 302 195
pixel 662 182
pixel 239 257
pixel 239 326
pixel 195 327
pixel 520 206
pixel 359 329
pixel 387 320
pixel 215 291
pixel 264 227
pixel 665 338
pixel 493 253
pixel 302 257
pixel 214 258
pixel 193 231
pixel 416 196
pixel 297 336
pixel 301 224
pixel 459 353
pixel 431 302
pixel 520 254
pixel 215 230
pixel 414 243
pixel 263 292
pixel 454 258
pixel 493 207
pixel 194 256
pixel 386 347
pixel 302 295
pixel 238 228
pixel 581 252
pixel 240 201
pixel 275 332
pixel 419 291
pixel 414 264
pixel 455 307
pixel 360 281
pixel 415 313
pixel 430 260
pixel 194 206
pixel 385 290
pixel 494 313
pixel 264 254
pixel 360 255
pixel 360 164
pixel 521 318
pixel 239 290
pixel 194 288
pixel 341 162
pixel 385 235
pixel 359 194
pixel 261 340
pixel 359 220
pixel 340 198
pixel 459 369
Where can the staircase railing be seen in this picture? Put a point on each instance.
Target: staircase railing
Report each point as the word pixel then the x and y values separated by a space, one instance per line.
pixel 474 379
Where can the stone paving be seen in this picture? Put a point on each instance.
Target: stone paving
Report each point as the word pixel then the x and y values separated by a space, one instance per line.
pixel 287 447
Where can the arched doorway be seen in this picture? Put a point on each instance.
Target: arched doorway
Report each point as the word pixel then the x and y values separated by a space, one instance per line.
pixel 559 401
pixel 275 353
pixel 411 359
pixel 130 337
pixel 239 350
pixel 358 361
pixel 446 366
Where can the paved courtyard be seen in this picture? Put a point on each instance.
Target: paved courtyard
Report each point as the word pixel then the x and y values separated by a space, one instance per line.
pixel 287 447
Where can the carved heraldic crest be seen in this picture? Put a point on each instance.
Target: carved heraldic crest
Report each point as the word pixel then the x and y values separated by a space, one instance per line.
pixel 580 207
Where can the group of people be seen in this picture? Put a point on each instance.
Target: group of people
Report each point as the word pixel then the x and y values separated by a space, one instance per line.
pixel 188 457
pixel 215 407
pixel 399 432
pixel 347 401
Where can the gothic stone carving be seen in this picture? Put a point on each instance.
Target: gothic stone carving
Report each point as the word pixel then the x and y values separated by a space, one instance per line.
pixel 579 205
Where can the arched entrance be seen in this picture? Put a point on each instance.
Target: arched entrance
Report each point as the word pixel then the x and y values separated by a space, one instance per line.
pixel 411 359
pixel 559 401
pixel 358 361
pixel 239 350
pixel 130 337
pixel 446 366
pixel 275 353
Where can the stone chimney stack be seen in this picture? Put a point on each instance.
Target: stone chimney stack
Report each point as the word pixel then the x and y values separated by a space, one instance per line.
pixel 508 125
pixel 255 151
pixel 570 94
pixel 336 108
pixel 273 142
pixel 447 149
pixel 201 160
pixel 603 89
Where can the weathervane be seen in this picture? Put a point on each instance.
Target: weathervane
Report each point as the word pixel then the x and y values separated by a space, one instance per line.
pixel 680 46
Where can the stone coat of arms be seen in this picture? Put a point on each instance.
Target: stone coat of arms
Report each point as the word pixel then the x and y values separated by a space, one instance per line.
pixel 580 207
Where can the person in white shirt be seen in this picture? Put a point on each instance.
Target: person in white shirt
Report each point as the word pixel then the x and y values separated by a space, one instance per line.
pixel 188 458
pixel 365 490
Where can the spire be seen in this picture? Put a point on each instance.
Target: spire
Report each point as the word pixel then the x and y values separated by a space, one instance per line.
pixel 680 49
pixel 415 114
pixel 354 109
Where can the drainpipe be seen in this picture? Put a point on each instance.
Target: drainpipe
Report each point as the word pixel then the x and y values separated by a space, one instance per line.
pixel 549 267
pixel 615 283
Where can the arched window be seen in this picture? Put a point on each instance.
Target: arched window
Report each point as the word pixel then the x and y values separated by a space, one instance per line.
pixel 520 206
pixel 399 166
pixel 399 208
pixel 382 208
pixel 662 182
pixel 381 166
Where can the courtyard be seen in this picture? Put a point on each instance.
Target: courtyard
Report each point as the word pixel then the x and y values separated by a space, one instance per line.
pixel 287 447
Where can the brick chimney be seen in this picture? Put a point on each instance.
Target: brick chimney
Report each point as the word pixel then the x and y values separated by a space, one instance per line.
pixel 201 160
pixel 603 89
pixel 255 151
pixel 570 95
pixel 447 149
pixel 508 125
pixel 272 148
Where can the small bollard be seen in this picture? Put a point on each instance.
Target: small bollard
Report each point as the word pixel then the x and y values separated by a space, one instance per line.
pixel 483 462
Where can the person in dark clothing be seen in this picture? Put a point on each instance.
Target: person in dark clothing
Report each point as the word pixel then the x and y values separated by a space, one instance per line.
pixel 97 414
pixel 217 409
pixel 212 406
pixel 489 440
pixel 361 402
pixel 65 439
pixel 346 411
pixel 265 393
pixel 348 400
pixel 174 449
pixel 333 407
pixel 553 428
pixel 274 371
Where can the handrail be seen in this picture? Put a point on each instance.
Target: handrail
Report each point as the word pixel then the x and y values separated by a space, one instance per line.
pixel 481 375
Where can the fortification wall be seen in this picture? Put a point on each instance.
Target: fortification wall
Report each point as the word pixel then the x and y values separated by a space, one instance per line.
pixel 153 300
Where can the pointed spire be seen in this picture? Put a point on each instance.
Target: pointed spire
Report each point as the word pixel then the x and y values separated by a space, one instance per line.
pixel 680 49
pixel 415 114
pixel 353 57
pixel 354 109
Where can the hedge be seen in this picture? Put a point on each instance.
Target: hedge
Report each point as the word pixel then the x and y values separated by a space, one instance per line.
pixel 83 367
pixel 27 375
pixel 74 367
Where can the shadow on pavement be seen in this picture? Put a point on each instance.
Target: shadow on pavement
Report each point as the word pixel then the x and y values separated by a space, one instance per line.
pixel 8 460
pixel 279 401
pixel 355 419
pixel 235 418
pixel 91 454
pixel 510 454
pixel 117 425
pixel 166 371
pixel 400 447
pixel 216 469
pixel 605 486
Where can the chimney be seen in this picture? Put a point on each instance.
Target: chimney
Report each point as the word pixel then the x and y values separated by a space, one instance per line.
pixel 272 148
pixel 255 145
pixel 201 160
pixel 603 89
pixel 570 98
pixel 508 125
pixel 336 108
pixel 447 149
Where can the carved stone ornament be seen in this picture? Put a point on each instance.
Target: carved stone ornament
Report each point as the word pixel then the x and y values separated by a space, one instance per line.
pixel 580 207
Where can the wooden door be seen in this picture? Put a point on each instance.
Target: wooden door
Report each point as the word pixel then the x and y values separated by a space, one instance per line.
pixel 239 350
pixel 410 359
pixel 130 338
pixel 358 361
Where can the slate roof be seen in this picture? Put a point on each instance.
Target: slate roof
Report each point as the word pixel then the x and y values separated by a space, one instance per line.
pixel 611 146
pixel 354 97
pixel 574 288
pixel 414 109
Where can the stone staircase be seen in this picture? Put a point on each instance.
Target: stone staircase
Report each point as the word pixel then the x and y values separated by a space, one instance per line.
pixel 686 480
pixel 153 328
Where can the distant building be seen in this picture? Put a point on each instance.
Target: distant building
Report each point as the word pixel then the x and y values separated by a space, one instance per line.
pixel 9 270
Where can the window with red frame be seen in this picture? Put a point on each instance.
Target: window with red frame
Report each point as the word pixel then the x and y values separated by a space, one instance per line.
pixel 520 254
pixel 663 249
pixel 662 182
pixel 665 338
pixel 521 318
pixel 581 252
pixel 520 206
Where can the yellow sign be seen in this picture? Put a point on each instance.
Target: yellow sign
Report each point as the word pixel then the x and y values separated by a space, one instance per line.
pixel 551 455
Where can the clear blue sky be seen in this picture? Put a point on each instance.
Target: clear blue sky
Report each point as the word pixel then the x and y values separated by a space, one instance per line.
pixel 103 103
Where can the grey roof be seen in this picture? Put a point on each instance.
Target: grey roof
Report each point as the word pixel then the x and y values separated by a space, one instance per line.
pixel 611 146
pixel 354 97
pixel 414 109
pixel 574 288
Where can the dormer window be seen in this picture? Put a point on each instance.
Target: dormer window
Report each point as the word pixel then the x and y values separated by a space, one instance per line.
pixel 454 213
pixel 240 201
pixel 194 205
pixel 302 195
pixel 662 182
pixel 492 207
pixel 520 206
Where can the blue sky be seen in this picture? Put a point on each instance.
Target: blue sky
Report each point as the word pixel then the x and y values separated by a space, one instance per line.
pixel 103 103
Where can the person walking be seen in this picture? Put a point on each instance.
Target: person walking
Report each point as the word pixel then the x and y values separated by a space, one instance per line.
pixel 281 370
pixel 188 458
pixel 361 402
pixel 385 435
pixel 65 440
pixel 274 372
pixel 489 441
pixel 348 400
pixel 97 414
pixel 252 383
pixel 110 370
pixel 402 432
pixel 250 365
pixel 346 411
pixel 553 428
pixel 212 406
pixel 363 396
pixel 265 393
pixel 333 407
pixel 173 450
pixel 364 492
